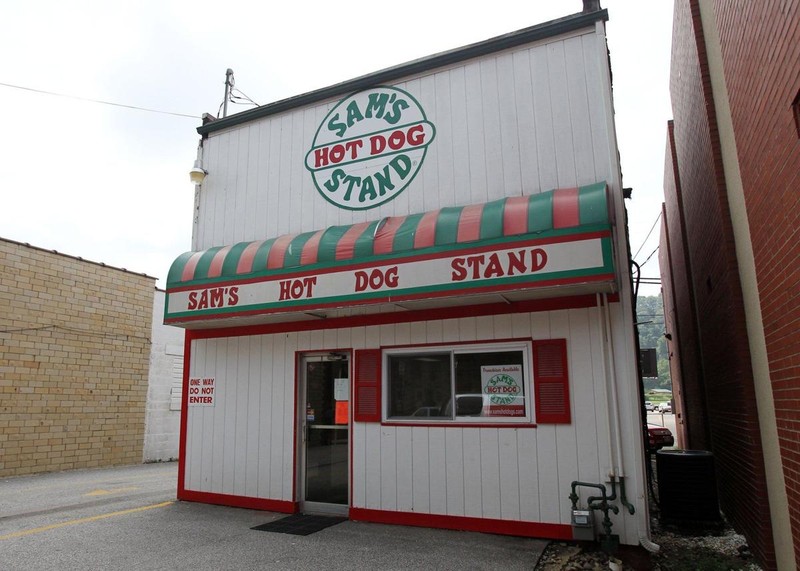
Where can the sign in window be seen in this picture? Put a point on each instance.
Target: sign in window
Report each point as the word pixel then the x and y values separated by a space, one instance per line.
pixel 485 383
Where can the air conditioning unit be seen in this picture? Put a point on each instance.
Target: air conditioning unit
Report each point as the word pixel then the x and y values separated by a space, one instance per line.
pixel 687 486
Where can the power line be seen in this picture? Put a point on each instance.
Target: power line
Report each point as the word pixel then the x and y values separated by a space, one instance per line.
pixel 99 101
pixel 651 255
pixel 648 235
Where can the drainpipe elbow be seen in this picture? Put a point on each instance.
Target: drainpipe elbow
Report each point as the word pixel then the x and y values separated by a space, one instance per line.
pixel 651 547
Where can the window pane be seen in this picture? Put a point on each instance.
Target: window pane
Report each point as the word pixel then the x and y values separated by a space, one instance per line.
pixel 490 384
pixel 419 385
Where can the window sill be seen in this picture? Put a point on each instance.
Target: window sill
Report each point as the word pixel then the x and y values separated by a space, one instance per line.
pixel 457 424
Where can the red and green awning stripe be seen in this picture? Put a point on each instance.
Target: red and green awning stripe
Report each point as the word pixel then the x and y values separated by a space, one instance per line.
pixel 567 210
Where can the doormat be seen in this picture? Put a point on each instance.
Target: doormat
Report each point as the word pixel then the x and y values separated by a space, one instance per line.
pixel 300 524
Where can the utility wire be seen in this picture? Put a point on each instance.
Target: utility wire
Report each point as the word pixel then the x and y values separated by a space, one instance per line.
pixel 100 101
pixel 648 235
pixel 651 255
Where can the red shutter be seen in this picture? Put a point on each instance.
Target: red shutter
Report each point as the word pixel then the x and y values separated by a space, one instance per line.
pixel 551 381
pixel 367 392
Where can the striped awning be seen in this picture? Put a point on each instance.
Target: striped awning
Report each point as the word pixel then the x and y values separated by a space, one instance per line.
pixel 558 212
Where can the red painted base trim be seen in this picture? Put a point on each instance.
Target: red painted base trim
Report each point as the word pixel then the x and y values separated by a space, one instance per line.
pixel 280 506
pixel 460 523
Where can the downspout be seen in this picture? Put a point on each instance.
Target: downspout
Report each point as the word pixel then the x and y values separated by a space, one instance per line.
pixel 644 538
pixel 614 413
pixel 611 452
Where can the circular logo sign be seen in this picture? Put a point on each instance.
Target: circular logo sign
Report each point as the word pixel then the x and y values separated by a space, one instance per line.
pixel 502 389
pixel 369 148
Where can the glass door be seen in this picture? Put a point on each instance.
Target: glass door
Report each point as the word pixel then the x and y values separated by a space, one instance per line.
pixel 324 420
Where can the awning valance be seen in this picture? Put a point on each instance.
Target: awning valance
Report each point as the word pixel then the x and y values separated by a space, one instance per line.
pixel 556 217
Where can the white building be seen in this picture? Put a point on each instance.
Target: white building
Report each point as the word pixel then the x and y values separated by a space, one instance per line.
pixel 365 255
pixel 164 382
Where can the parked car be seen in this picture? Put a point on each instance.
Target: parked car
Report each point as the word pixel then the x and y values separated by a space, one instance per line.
pixel 659 437
pixel 649 406
pixel 665 407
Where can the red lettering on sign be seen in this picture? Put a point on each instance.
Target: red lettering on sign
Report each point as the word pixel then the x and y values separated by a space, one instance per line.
pixel 377 143
pixel 481 267
pixel 213 297
pixel 337 153
pixel 321 157
pixel 296 289
pixel 475 262
pixel 516 261
pixel 376 279
pixel 217 297
pixel 416 135
pixel 459 273
pixel 353 147
pixel 539 259
pixel 494 269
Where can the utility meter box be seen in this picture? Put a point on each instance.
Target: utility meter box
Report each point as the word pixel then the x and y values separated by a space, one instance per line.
pixel 582 525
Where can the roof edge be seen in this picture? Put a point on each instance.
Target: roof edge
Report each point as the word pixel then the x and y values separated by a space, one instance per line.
pixel 498 43
pixel 76 258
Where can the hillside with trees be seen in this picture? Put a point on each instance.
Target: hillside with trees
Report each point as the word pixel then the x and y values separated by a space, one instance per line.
pixel 650 319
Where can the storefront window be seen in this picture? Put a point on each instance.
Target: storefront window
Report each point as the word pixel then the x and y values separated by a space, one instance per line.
pixel 485 383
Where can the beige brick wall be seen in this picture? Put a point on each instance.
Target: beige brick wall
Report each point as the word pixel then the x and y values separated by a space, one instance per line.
pixel 74 356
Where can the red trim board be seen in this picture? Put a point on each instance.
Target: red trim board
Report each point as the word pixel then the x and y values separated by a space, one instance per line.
pixel 280 506
pixel 187 360
pixel 484 525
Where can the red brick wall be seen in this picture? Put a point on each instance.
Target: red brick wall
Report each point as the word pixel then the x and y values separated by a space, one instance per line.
pixel 761 57
pixel 724 351
pixel 685 365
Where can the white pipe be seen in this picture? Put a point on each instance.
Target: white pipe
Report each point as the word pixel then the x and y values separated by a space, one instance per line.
pixel 614 396
pixel 611 452
pixel 644 539
pixel 645 542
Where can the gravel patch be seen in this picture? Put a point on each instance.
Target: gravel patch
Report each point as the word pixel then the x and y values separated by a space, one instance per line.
pixel 716 551
pixel 714 547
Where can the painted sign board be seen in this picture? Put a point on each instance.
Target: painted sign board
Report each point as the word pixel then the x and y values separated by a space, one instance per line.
pixel 202 391
pixel 504 386
pixel 369 148
pixel 509 266
pixel 341 389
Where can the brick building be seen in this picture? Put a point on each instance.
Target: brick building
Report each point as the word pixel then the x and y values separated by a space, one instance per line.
pixel 74 357
pixel 730 258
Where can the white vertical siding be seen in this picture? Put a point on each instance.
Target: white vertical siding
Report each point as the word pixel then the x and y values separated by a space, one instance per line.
pixel 516 122
pixel 242 445
pixel 512 123
pixel 245 444
pixel 491 472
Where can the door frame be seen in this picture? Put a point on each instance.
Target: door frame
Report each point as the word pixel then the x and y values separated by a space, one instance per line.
pixel 304 357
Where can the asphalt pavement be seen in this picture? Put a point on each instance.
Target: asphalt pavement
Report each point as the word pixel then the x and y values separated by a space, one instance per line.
pixel 128 518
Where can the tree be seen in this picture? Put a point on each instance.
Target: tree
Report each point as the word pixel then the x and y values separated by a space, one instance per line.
pixel 650 321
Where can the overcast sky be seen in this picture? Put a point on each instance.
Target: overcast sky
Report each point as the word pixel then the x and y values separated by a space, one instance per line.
pixel 110 184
